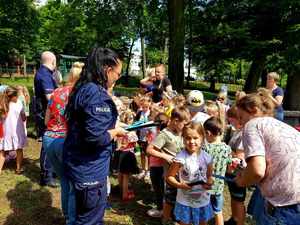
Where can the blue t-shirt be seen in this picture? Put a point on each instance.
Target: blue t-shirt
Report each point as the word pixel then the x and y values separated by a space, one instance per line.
pixel 44 84
pixel 88 146
pixel 278 92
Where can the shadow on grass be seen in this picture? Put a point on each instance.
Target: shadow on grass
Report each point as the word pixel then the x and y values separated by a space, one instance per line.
pixel 31 169
pixel 136 210
pixel 32 206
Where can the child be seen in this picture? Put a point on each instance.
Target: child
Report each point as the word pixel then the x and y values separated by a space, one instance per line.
pixel 165 146
pixel 127 160
pixel 24 97
pixel 221 154
pixel 14 130
pixel 192 202
pixel 156 168
pixel 143 115
pixel 195 103
pixel 237 194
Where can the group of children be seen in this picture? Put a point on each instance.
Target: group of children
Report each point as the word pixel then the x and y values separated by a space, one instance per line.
pixel 14 110
pixel 185 155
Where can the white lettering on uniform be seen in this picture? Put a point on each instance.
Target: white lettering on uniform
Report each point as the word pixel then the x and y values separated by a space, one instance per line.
pixel 102 109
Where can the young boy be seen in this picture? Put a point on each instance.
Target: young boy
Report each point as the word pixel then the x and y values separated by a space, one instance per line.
pixel 165 146
pixel 221 154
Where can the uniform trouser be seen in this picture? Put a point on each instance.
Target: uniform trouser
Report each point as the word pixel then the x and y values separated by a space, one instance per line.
pixel 90 202
pixel 54 149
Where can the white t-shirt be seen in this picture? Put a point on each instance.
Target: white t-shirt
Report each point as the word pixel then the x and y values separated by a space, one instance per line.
pixel 200 117
pixel 194 168
pixel 279 143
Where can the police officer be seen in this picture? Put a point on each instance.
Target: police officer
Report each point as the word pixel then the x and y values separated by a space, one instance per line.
pixel 91 115
pixel 44 85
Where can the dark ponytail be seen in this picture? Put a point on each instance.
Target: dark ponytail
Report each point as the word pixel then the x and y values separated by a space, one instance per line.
pixel 94 70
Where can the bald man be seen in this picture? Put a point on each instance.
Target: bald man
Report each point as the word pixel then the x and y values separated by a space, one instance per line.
pixel 44 85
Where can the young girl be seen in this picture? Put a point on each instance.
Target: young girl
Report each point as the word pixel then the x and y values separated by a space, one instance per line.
pixel 165 146
pixel 127 160
pixel 192 164
pixel 221 154
pixel 14 137
pixel 143 115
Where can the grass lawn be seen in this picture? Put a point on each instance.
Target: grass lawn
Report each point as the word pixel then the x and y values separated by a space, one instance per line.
pixel 24 202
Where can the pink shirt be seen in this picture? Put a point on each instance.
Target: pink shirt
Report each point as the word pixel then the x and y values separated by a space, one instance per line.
pixel 279 143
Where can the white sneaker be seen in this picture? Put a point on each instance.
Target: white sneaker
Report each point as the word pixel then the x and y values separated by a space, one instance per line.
pixel 147 176
pixel 141 175
pixel 155 213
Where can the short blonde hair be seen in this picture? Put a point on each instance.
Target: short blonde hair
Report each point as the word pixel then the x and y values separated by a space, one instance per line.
pixel 75 71
pixel 274 75
pixel 149 71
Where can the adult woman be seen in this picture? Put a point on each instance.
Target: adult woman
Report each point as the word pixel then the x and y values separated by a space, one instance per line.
pixel 277 94
pixel 54 137
pixel 91 118
pixel 272 152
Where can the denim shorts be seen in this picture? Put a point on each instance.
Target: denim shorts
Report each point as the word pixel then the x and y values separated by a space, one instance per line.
pixel 191 215
pixel 217 202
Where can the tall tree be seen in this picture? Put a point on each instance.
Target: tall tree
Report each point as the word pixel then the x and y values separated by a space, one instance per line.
pixel 176 43
pixel 18 26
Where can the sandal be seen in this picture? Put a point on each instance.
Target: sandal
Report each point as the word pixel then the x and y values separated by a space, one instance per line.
pixel 19 172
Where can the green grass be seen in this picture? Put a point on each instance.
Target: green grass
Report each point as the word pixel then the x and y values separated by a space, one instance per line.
pixel 24 202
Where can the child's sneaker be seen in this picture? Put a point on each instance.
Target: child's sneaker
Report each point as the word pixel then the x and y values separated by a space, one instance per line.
pixel 155 213
pixel 141 175
pixel 147 176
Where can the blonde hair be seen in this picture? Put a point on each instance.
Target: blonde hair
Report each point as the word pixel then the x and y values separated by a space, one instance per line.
pixel 274 75
pixel 126 116
pixel 75 71
pixel 149 71
pixel 239 95
pixel 5 98
pixel 195 127
pixel 217 108
pixel 24 91
pixel 260 100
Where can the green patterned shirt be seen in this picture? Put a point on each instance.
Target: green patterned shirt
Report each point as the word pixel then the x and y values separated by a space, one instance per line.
pixel 221 154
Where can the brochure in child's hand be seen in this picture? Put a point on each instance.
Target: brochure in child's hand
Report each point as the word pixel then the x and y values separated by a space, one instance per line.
pixel 196 183
pixel 137 126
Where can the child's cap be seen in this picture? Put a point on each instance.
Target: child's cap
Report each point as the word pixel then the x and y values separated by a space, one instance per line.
pixel 195 101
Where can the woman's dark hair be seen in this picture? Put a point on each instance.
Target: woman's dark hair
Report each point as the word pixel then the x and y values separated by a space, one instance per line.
pixel 94 70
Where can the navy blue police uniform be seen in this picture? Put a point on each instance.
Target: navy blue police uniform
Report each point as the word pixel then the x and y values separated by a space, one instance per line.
pixel 88 150
pixel 44 84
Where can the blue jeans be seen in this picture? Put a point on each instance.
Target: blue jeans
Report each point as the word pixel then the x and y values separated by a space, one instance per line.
pixel 54 149
pixel 258 207
pixel 289 215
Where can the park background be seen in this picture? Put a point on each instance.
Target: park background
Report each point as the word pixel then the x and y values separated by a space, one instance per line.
pixel 204 43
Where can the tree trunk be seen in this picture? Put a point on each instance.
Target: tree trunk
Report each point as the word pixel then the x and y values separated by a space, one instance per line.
pixel 143 55
pixel 190 44
pixel 128 63
pixel 264 78
pixel 176 47
pixel 292 95
pixel 255 72
pixel 165 58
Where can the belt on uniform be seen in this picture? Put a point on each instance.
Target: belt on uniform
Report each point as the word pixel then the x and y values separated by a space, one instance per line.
pixel 271 208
